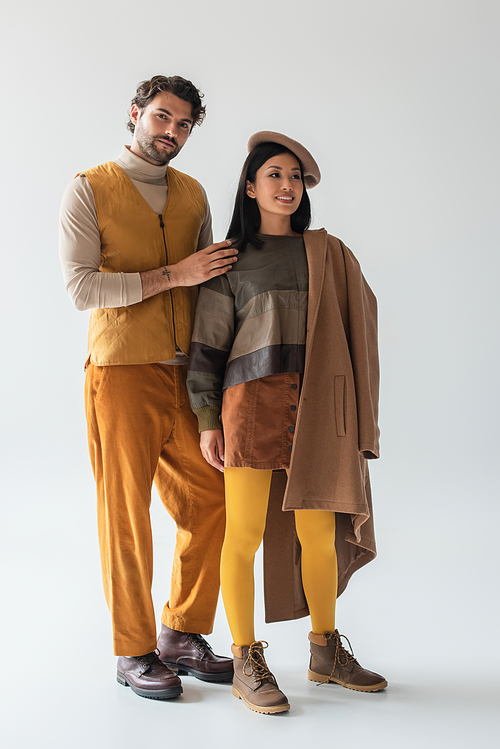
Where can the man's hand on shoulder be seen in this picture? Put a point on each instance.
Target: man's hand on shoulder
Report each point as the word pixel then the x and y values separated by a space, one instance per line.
pixel 204 264
pixel 193 270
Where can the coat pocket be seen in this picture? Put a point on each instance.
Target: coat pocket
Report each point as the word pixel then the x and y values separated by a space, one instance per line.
pixel 340 404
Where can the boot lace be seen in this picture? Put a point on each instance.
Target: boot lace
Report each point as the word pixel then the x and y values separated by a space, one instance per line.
pixel 255 664
pixel 199 642
pixel 341 657
pixel 150 659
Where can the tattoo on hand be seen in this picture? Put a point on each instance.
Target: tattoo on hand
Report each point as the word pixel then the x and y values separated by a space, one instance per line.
pixel 166 272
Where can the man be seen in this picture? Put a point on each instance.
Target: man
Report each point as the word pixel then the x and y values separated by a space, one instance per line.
pixel 129 234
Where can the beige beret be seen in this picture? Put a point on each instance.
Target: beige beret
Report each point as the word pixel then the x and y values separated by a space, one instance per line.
pixel 312 174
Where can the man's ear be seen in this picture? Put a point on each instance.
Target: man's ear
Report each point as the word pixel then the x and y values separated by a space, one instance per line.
pixel 135 113
pixel 249 189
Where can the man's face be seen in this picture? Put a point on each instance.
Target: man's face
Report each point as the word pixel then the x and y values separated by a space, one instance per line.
pixel 162 128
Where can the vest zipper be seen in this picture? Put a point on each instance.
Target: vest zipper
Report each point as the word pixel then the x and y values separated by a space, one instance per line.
pixel 162 226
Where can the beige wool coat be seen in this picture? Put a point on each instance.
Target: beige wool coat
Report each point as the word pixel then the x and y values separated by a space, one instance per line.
pixel 336 431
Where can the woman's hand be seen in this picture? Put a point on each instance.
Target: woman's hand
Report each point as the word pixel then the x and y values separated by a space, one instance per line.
pixel 212 447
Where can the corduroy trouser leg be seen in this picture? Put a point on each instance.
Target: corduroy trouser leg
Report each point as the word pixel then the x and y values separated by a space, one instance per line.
pixel 141 428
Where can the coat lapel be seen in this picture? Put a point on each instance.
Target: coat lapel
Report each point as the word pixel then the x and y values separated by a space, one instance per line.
pixel 315 244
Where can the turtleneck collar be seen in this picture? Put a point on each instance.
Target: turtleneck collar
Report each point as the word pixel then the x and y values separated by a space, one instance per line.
pixel 139 169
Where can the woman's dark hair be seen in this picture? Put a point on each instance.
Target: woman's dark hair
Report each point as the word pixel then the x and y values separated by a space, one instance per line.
pixel 184 89
pixel 246 215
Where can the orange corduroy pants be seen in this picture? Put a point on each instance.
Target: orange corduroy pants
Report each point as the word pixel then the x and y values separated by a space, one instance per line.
pixel 141 429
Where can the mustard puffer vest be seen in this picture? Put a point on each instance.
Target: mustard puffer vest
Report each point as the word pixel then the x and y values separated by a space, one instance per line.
pixel 133 239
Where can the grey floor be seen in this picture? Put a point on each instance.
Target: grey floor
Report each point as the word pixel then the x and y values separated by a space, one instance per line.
pixel 58 686
pixel 78 704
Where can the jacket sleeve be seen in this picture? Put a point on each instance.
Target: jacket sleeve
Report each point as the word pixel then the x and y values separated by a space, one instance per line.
pixel 211 344
pixel 363 344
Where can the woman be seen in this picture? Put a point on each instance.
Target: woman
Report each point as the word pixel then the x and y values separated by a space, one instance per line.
pixel 287 400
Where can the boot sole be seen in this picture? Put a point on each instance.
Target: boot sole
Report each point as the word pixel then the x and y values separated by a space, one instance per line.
pixel 313 676
pixel 273 709
pixel 201 675
pixel 164 694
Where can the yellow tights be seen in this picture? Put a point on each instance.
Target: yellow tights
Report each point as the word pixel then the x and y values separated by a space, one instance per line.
pixel 247 496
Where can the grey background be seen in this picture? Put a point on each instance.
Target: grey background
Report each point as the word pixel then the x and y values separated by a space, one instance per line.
pixel 398 101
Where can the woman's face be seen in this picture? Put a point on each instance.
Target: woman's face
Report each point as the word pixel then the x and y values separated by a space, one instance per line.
pixel 278 186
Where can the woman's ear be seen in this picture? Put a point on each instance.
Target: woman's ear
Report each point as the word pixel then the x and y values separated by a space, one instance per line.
pixel 249 189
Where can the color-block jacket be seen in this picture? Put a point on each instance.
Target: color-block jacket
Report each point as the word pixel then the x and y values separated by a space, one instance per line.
pixel 250 323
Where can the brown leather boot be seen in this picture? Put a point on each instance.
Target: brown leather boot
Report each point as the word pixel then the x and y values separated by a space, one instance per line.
pixel 254 683
pixel 148 677
pixel 331 662
pixel 191 654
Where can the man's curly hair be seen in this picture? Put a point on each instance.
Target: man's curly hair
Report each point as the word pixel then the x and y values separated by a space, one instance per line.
pixel 147 90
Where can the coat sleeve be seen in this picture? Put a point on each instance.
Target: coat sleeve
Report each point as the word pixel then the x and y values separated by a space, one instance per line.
pixel 211 344
pixel 362 306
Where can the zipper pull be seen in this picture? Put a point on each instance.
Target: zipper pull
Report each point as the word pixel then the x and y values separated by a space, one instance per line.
pixel 162 225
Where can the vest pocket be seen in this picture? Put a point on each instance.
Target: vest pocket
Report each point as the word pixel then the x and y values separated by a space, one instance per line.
pixel 340 404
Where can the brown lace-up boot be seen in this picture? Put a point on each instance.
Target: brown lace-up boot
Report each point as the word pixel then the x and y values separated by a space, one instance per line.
pixel 254 683
pixel 148 677
pixel 190 653
pixel 330 661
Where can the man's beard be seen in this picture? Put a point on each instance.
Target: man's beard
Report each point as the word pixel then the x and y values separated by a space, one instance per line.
pixel 147 145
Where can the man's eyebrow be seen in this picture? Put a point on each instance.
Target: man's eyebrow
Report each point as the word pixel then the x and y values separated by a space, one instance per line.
pixel 184 119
